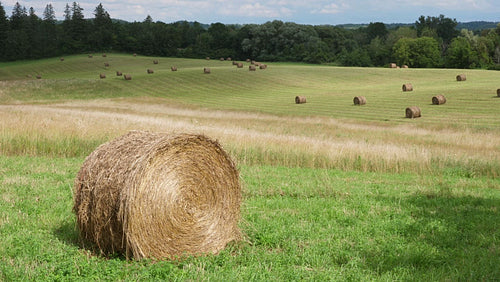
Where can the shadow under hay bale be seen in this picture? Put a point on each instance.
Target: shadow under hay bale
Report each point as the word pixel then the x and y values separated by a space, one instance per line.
pixel 438 100
pixel 102 75
pixel 206 70
pixel 300 100
pixel 359 100
pixel 413 112
pixel 407 87
pixel 119 73
pixel 252 68
pixel 127 77
pixel 461 77
pixel 173 68
pixel 150 71
pixel 157 195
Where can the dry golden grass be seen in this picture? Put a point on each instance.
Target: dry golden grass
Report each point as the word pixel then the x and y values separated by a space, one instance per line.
pixel 261 138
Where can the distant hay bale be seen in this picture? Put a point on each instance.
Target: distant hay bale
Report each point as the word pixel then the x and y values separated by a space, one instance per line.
pixel 263 66
pixel 404 66
pixel 228 59
pixel 104 55
pixel 251 68
pixel 359 100
pixel 207 58
pixel 173 68
pixel 155 62
pixel 438 100
pixel 413 112
pixel 407 87
pixel 239 65
pixel 135 55
pixel 248 60
pixel 257 64
pixel 300 100
pixel 206 70
pixel 222 59
pixel 461 77
pixel 235 63
pixel 252 62
pixel 392 65
pixel 158 195
pixel 150 71
pixel 62 59
pixel 90 56
pixel 127 77
pixel 102 75
pixel 498 92
pixel 119 73
pixel 106 65
pixel 38 76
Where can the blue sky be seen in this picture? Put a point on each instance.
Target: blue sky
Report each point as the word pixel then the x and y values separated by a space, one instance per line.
pixel 299 11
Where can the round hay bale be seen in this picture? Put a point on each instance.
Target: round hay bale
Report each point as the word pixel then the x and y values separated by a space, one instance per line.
pixel 150 71
pixel 207 58
pixel 90 56
pixel 252 62
pixel 252 68
pixel 498 92
pixel 263 66
pixel 119 73
pixel 235 63
pixel 127 77
pixel 62 59
pixel 38 76
pixel 155 62
pixel 300 100
pixel 359 100
pixel 222 59
pixel 438 100
pixel 404 66
pixel 248 60
pixel 135 55
pixel 407 87
pixel 106 65
pixel 173 68
pixel 206 70
pixel 461 77
pixel 413 112
pixel 392 65
pixel 156 195
pixel 228 59
pixel 239 65
pixel 102 75
pixel 104 55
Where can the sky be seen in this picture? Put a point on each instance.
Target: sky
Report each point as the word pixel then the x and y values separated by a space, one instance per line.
pixel 315 12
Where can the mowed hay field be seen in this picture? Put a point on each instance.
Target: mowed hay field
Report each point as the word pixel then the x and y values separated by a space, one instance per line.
pixel 330 190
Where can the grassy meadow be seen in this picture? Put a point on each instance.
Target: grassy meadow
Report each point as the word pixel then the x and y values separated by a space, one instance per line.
pixel 331 191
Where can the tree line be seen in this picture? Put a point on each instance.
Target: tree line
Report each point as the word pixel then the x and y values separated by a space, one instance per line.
pixel 430 42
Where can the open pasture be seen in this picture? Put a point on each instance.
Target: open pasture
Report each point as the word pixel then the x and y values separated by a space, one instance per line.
pixel 330 190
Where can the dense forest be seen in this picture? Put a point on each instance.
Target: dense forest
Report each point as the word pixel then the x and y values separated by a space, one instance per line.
pixel 429 42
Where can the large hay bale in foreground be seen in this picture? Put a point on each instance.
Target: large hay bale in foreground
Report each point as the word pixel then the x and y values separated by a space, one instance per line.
pixel 300 99
pixel 156 195
pixel 438 100
pixel 359 100
pixel 413 112
pixel 461 77
pixel 407 87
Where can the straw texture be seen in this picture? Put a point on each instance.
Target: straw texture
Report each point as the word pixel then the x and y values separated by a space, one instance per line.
pixel 156 195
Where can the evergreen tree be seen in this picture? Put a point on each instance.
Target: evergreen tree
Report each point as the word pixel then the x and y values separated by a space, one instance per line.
pixel 17 44
pixel 4 31
pixel 101 38
pixel 50 34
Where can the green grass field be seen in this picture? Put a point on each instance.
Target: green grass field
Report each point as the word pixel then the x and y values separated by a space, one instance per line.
pixel 331 191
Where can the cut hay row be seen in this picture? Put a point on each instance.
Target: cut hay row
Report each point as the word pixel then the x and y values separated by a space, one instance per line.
pixel 155 195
